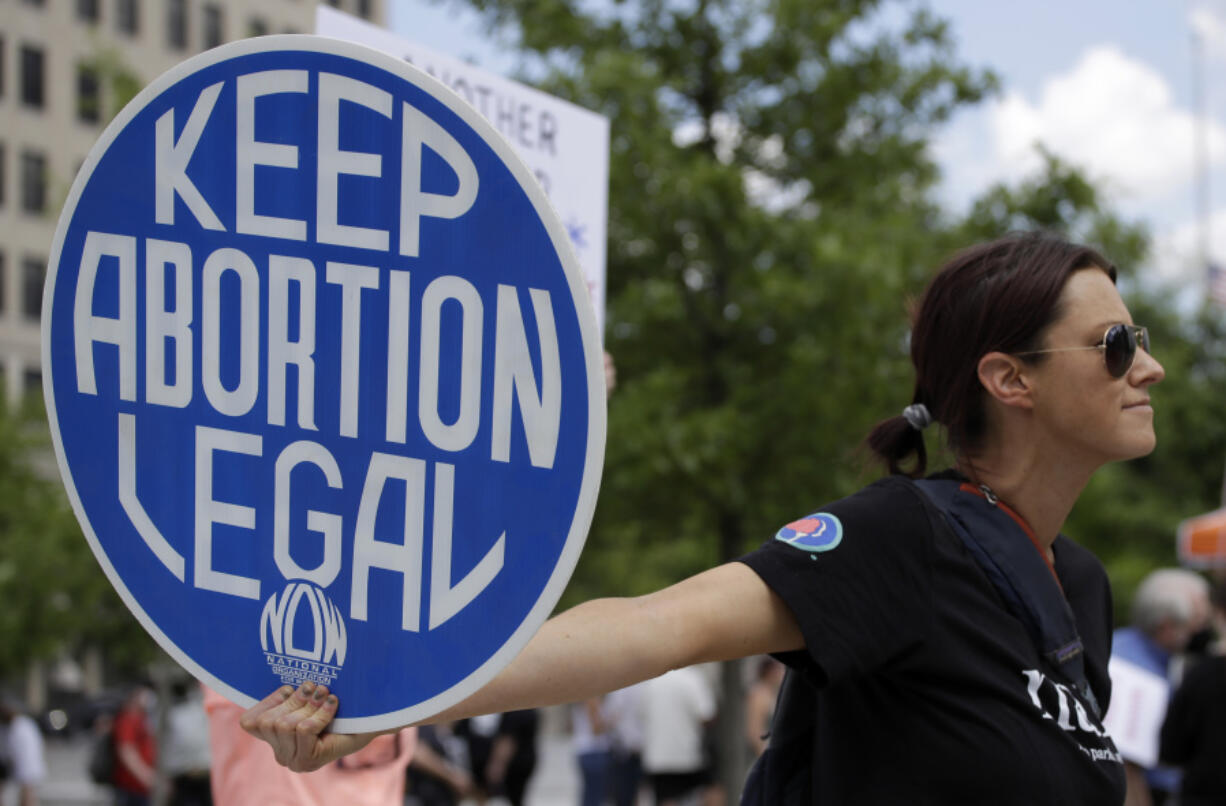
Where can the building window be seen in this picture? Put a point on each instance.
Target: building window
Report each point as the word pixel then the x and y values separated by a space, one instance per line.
pixel 127 16
pixel 89 95
pixel 4 164
pixel 364 9
pixel 32 271
pixel 256 27
pixel 32 77
pixel 4 285
pixel 33 182
pixel 214 26
pixel 34 2
pixel 176 23
pixel 3 61
pixel 87 10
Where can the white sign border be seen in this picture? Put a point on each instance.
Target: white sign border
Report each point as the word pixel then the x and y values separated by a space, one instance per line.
pixel 593 465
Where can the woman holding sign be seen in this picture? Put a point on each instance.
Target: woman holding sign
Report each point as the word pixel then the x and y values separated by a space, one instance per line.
pixel 941 628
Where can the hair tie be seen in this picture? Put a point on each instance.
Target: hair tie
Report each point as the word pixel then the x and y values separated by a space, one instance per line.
pixel 917 416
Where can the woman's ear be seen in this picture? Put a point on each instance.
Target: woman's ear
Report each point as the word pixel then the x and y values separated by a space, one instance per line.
pixel 1005 379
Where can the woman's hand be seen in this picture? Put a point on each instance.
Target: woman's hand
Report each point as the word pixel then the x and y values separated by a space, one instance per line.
pixel 294 721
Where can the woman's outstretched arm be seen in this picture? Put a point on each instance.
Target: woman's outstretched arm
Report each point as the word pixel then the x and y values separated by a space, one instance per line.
pixel 596 647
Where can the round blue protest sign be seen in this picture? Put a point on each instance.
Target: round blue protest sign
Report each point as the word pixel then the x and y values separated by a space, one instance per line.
pixel 323 378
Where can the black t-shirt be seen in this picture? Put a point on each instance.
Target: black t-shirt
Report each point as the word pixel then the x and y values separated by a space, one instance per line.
pixel 931 692
pixel 1194 734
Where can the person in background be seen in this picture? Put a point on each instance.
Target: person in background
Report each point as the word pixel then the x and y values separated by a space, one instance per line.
pixel 244 772
pixel 760 703
pixel 623 713
pixel 21 748
pixel 135 750
pixel 676 708
pixel 1170 606
pixel 590 741
pixel 1194 731
pixel 185 753
pixel 513 756
pixel 438 774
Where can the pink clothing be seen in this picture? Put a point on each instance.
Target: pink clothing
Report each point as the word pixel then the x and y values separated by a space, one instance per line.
pixel 246 774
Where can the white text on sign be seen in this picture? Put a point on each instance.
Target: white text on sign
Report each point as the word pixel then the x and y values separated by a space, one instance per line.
pixel 185 364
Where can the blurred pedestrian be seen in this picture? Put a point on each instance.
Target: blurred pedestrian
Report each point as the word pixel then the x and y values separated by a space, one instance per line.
pixel 513 760
pixel 622 711
pixel 21 750
pixel 438 773
pixel 1169 607
pixel 676 708
pixel 591 744
pixel 185 754
pixel 502 753
pixel 1194 732
pixel 135 750
pixel 245 772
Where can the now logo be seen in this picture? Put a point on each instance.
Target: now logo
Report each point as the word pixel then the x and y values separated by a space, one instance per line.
pixel 283 624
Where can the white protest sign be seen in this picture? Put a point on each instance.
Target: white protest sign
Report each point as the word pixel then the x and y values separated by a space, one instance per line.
pixel 566 146
pixel 1138 706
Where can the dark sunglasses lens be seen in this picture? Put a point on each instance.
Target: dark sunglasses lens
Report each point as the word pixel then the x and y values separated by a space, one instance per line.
pixel 1120 348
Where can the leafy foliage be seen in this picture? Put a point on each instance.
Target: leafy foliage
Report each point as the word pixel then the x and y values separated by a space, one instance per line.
pixel 56 597
pixel 768 212
pixel 769 215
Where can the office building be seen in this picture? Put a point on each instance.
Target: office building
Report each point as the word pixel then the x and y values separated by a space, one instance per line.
pixel 66 67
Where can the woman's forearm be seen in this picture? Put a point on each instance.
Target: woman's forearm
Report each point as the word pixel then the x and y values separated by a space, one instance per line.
pixel 607 644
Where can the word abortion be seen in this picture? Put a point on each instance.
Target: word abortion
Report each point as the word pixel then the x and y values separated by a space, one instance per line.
pixel 172 383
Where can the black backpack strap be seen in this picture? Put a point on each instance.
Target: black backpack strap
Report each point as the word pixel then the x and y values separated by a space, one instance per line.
pixel 1019 573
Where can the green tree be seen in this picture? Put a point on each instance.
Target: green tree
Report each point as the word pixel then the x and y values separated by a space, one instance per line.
pixel 769 209
pixel 56 597
pixel 770 212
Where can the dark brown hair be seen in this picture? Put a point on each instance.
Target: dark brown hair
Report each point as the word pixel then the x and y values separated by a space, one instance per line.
pixel 1001 295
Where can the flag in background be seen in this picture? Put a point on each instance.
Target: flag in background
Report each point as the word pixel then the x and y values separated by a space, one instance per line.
pixel 1217 284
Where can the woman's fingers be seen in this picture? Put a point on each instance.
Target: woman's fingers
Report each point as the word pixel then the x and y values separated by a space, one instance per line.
pixel 310 749
pixel 291 721
pixel 294 721
pixel 271 701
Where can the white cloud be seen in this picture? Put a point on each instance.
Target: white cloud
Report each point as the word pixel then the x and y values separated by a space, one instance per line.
pixel 1111 115
pixel 964 150
pixel 1210 26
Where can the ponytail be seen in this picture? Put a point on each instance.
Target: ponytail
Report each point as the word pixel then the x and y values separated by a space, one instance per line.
pixel 894 440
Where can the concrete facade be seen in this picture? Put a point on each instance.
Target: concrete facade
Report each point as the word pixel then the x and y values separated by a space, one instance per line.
pixel 66 66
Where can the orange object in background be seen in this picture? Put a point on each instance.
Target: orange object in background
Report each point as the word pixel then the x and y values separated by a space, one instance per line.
pixel 1201 541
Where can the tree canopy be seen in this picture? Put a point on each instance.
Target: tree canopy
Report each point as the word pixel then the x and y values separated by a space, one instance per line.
pixel 57 599
pixel 771 217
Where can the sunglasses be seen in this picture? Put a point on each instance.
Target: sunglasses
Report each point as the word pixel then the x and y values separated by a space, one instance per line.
pixel 1119 346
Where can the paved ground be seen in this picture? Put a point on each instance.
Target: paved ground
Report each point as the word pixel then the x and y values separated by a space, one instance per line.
pixel 556 782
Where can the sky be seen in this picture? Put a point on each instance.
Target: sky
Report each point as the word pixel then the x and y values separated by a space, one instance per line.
pixel 1109 86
